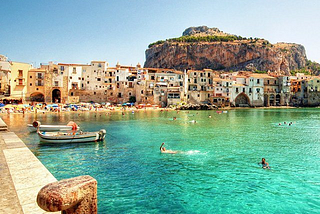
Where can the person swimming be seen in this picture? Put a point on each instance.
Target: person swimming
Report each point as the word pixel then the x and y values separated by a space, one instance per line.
pixel 164 150
pixel 265 165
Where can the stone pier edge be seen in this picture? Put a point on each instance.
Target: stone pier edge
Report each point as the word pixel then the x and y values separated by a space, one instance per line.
pixel 28 174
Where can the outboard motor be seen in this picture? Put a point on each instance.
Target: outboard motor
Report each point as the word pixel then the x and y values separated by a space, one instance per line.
pixel 102 134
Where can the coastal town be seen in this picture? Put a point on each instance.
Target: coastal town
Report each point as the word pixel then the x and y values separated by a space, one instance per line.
pixel 97 82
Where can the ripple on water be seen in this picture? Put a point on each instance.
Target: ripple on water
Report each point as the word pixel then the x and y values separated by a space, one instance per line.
pixel 216 170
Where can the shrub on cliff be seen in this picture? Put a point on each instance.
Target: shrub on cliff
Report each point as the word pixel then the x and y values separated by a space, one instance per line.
pixel 190 39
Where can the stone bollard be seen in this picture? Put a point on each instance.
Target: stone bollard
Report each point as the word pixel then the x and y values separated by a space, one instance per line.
pixel 71 196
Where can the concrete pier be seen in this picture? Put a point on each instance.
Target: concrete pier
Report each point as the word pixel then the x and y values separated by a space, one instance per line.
pixel 22 175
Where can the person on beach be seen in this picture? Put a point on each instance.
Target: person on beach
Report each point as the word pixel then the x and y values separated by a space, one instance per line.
pixel 265 165
pixel 164 150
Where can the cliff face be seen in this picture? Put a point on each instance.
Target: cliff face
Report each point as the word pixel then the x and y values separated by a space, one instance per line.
pixel 244 54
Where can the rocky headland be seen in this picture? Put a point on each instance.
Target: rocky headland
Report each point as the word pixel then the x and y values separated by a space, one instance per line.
pixel 202 47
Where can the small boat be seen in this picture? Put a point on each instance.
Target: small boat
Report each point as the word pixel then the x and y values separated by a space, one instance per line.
pixel 75 137
pixel 70 126
pixel 71 137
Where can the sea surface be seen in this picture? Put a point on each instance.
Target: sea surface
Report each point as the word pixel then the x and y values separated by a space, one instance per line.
pixel 216 168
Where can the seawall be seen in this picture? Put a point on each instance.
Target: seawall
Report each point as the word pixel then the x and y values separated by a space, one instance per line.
pixel 22 175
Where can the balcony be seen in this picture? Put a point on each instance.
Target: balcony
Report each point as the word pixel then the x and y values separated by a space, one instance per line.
pixel 40 77
pixel 20 81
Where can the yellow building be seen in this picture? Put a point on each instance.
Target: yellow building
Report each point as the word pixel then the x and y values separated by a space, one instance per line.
pixel 18 81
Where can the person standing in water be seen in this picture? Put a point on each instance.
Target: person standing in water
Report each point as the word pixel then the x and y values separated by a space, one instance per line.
pixel 265 165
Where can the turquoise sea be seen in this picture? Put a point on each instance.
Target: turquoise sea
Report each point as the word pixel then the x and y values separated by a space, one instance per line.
pixel 216 170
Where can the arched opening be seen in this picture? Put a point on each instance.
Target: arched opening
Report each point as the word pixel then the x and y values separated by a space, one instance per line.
pixel 56 96
pixel 37 97
pixel 272 101
pixel 266 100
pixel 278 97
pixel 242 100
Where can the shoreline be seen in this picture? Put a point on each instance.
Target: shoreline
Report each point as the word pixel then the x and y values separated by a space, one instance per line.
pixel 150 109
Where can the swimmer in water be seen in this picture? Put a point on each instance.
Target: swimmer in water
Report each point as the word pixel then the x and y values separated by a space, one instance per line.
pixel 164 150
pixel 279 124
pixel 265 165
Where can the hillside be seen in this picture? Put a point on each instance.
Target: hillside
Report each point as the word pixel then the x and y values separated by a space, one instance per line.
pixel 203 47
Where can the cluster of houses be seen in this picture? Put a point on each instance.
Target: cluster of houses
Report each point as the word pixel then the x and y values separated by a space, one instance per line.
pixel 97 82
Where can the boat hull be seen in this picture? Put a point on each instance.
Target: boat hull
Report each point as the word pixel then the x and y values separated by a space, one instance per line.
pixel 76 137
pixel 50 128
pixel 56 139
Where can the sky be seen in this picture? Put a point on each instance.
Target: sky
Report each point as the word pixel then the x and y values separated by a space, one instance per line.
pixel 79 31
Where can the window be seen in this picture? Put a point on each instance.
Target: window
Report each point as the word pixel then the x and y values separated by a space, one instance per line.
pixel 71 93
pixel 99 79
pixel 258 90
pixel 30 84
pixel 141 92
pixel 94 93
pixel 117 78
pixel 30 77
pixel 258 81
pixel 56 83
pixel 237 90
pixel 250 90
pixel 61 73
pixel 74 71
pixel 79 78
pixel 70 77
pixel 208 74
pixel 99 65
pixel 20 73
pixel 268 81
pixel 87 82
pixel 62 68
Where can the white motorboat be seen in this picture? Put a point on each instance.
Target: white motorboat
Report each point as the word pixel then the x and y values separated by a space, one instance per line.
pixel 70 126
pixel 75 137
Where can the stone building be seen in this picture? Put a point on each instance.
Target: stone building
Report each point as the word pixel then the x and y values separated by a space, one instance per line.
pixel 36 89
pixel 200 86
pixel 5 76
pixel 313 91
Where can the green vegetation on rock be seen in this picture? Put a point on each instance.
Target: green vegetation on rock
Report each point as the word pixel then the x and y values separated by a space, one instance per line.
pixel 190 39
pixel 312 68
